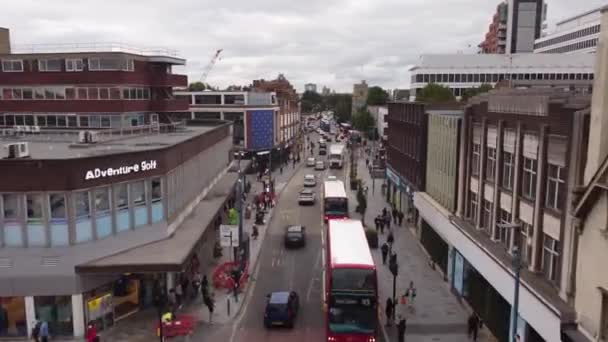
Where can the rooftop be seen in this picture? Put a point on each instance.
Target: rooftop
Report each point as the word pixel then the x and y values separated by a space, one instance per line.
pixel 63 144
pixel 501 61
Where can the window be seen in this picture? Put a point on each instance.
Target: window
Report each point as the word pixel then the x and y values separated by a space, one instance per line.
pixel 84 121
pixel 51 121
pixel 49 64
pixel 10 206
pixel 59 233
pixel 72 121
pixel 114 93
pixel 70 93
pixel 28 93
pixel 475 159
pixel 74 64
pixel 103 220
pixel 507 170
pixel 82 207
pixel 49 94
pixel 17 94
pixel 138 194
pixel 474 204
pixel 108 63
pixel 491 164
pixel 41 120
pixel 57 206
pixel 82 94
pixel 525 243
pixel 504 234
pixel 61 121
pixel 104 93
pixel 105 122
pixel 12 65
pixel 39 93
pixel 156 190
pixel 93 93
pixel 486 216
pixel 36 235
pixel 528 185
pixel 34 207
pixel 550 258
pixel 555 187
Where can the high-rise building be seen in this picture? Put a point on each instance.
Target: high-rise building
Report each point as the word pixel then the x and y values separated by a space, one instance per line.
pixel 514 27
pixel 326 91
pixel 310 87
pixel 575 34
pixel 359 96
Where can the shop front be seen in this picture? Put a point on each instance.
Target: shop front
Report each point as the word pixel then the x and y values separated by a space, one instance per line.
pixel 437 248
pixel 57 312
pixel 13 322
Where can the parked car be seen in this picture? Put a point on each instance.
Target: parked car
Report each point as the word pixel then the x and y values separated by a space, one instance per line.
pixel 281 309
pixel 310 162
pixel 310 180
pixel 320 165
pixel 295 236
pixel 306 196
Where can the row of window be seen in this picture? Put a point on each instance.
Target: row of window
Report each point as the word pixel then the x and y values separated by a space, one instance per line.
pixel 75 93
pixel 556 178
pixel 493 78
pixel 71 120
pixel 42 219
pixel 574 47
pixel 570 36
pixel 524 241
pixel 72 64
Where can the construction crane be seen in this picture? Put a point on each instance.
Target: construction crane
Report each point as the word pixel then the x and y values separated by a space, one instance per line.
pixel 210 65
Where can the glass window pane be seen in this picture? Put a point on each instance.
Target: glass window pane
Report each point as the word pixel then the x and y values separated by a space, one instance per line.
pixel 34 206
pixel 156 189
pixel 122 198
pixel 57 206
pixel 102 199
pixel 138 193
pixel 93 93
pixel 115 93
pixel 61 121
pixel 10 206
pixel 82 204
pixel 72 121
pixel 104 93
pixel 82 94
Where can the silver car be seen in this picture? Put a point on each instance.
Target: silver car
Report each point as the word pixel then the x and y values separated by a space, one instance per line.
pixel 306 196
pixel 310 180
pixel 320 165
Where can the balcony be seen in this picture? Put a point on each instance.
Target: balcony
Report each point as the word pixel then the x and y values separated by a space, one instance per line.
pixel 143 78
pixel 94 106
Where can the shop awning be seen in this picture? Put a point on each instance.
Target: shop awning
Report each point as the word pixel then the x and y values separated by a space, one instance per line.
pixel 574 335
pixel 170 254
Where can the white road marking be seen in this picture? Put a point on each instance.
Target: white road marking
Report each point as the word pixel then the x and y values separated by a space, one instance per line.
pixel 313 280
pixel 248 296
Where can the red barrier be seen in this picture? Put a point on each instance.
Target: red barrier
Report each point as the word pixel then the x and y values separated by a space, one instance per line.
pixel 222 276
pixel 182 325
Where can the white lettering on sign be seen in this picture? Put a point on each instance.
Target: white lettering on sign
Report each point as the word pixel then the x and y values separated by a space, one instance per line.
pixel 96 173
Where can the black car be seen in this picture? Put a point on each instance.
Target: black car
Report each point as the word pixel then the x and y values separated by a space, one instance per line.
pixel 322 151
pixel 281 309
pixel 295 236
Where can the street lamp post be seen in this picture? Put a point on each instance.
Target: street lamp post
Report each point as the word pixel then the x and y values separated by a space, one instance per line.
pixel 240 208
pixel 514 227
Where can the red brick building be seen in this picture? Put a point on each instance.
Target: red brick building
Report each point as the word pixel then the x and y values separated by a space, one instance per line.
pixel 496 38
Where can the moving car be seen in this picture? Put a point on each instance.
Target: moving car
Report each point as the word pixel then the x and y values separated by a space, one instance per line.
pixel 310 162
pixel 306 196
pixel 281 309
pixel 295 236
pixel 320 165
pixel 332 177
pixel 322 151
pixel 310 180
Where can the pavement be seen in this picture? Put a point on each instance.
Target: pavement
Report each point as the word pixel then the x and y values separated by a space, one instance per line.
pixel 437 314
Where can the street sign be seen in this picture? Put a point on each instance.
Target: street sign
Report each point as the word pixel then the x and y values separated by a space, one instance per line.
pixel 229 235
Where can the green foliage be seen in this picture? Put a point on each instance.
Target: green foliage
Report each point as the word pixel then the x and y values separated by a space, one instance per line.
pixel 468 93
pixel 312 102
pixel 361 199
pixel 376 96
pixel 341 105
pixel 433 92
pixel 199 86
pixel 363 121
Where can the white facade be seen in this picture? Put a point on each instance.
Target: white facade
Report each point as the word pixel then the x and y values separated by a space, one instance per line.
pixel 462 71
pixel 575 34
pixel 379 113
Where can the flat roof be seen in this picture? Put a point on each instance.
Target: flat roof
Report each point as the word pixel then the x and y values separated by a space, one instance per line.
pixel 348 244
pixel 513 62
pixel 172 253
pixel 334 188
pixel 65 146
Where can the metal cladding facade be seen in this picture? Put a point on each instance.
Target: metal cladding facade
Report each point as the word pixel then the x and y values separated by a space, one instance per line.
pixel 260 129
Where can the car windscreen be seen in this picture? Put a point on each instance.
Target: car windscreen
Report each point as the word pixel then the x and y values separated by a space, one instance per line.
pixel 335 206
pixel 276 308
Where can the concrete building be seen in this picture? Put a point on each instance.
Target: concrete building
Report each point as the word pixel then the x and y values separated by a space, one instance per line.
pixel 459 72
pixel 310 87
pixel 103 198
pixel 575 34
pixel 359 96
pixel 400 95
pixel 326 91
pixel 591 300
pixel 379 113
pixel 243 108
pixel 495 40
pixel 520 151
pixel 288 124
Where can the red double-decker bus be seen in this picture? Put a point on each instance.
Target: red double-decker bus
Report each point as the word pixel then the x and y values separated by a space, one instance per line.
pixel 350 284
pixel 335 200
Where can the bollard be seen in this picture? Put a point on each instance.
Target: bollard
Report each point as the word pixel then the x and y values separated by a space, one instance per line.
pixel 228 305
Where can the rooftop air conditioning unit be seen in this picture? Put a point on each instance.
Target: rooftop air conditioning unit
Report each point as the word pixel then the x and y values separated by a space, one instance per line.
pixel 83 137
pixel 18 150
pixel 93 137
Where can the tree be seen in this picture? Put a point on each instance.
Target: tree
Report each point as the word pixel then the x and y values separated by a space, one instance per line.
pixel 362 202
pixel 340 104
pixel 363 121
pixel 470 92
pixel 376 96
pixel 312 102
pixel 433 92
pixel 199 86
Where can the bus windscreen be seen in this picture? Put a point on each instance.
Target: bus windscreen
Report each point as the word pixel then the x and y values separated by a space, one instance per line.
pixel 352 314
pixel 336 206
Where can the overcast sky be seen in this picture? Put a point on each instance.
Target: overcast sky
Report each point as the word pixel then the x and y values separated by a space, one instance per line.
pixel 327 42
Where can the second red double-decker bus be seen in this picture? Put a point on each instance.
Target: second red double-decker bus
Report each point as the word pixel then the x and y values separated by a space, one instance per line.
pixel 350 284
pixel 335 201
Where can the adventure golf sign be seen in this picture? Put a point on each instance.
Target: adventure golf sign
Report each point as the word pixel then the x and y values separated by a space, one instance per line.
pixel 97 173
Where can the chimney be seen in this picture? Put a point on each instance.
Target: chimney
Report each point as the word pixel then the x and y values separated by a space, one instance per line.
pixel 5 41
pixel 598 128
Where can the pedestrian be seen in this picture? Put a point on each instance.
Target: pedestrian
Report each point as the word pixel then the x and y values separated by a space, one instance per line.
pixel 44 331
pixel 185 286
pixel 390 240
pixel 401 329
pixel 411 294
pixel 384 212
pixel 179 294
pixel 366 162
pixel 196 284
pixel 172 297
pixel 92 333
pixel 473 326
pixel 381 226
pixel 209 303
pixel 384 249
pixel 393 258
pixel 36 331
pixel 400 213
pixel 388 310
pixel 395 215
pixel 377 223
pixel 281 168
pixel 387 220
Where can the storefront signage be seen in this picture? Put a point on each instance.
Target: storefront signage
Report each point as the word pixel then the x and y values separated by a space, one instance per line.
pixel 97 173
pixel 393 176
pixel 100 306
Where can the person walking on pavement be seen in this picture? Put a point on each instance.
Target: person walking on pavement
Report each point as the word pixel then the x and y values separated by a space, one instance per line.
pixel 377 223
pixel 393 258
pixel 473 326
pixel 395 215
pixel 382 225
pixel 92 333
pixel 384 249
pixel 400 213
pixel 209 303
pixel 388 310
pixel 390 240
pixel 384 212
pixel 387 220
pixel 44 331
pixel 401 329
pixel 411 294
